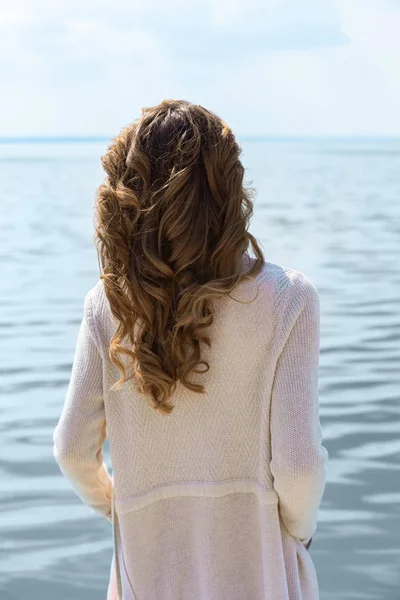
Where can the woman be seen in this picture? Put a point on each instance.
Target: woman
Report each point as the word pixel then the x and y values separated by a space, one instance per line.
pixel 200 365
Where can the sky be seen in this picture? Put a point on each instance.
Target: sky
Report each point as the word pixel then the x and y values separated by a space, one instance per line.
pixel 267 67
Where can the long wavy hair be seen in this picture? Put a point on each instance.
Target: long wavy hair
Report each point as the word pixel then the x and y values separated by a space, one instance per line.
pixel 171 232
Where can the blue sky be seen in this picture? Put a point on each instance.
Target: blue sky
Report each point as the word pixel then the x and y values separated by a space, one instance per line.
pixel 268 67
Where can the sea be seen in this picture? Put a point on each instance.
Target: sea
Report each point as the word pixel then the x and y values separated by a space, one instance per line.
pixel 327 207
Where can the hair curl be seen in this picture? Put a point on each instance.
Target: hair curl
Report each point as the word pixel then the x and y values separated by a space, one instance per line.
pixel 172 218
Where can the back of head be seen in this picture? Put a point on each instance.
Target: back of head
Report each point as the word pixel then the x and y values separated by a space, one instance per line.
pixel 172 228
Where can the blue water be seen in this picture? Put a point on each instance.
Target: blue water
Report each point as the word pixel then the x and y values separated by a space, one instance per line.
pixel 328 208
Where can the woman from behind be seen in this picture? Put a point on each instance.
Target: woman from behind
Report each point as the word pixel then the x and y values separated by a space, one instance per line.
pixel 199 363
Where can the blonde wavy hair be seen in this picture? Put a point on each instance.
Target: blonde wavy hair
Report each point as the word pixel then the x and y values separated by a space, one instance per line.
pixel 172 218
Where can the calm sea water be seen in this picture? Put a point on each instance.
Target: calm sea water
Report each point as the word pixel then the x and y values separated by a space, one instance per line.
pixel 329 209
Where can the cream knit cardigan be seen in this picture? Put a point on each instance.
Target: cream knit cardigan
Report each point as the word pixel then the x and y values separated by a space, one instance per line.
pixel 217 500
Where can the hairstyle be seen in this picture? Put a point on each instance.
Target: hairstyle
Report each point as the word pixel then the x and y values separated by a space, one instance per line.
pixel 172 218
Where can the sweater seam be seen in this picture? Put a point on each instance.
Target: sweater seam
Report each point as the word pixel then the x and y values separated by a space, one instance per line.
pixel 91 322
pixel 284 335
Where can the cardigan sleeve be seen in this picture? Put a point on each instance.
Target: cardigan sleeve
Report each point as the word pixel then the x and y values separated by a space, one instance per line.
pixel 298 458
pixel 81 430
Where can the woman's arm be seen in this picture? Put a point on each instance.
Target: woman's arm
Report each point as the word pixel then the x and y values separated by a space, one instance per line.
pixel 81 431
pixel 298 461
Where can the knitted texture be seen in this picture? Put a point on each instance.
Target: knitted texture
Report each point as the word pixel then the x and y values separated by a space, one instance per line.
pixel 218 499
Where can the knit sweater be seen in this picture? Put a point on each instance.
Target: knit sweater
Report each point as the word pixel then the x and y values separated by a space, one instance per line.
pixel 218 499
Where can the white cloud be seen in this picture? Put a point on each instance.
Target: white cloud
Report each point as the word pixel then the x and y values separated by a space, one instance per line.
pixel 278 67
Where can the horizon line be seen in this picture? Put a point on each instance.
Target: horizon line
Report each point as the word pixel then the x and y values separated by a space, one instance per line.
pixel 251 138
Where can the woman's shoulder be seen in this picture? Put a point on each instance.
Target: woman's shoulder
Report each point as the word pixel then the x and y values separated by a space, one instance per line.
pixel 291 293
pixel 286 280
